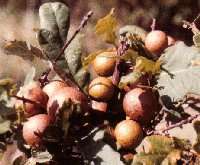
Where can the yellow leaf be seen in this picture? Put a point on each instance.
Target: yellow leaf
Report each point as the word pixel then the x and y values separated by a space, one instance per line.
pixel 88 60
pixel 130 55
pixel 106 27
pixel 147 66
pixel 130 78
pixel 6 82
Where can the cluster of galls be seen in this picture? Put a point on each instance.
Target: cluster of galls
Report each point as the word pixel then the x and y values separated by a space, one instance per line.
pixel 139 104
pixel 47 102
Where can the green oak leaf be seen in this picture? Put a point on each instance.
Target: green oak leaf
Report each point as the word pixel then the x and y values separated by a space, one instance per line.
pixel 178 60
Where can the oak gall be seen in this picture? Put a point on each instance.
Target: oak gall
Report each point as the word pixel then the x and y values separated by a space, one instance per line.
pixel 101 89
pixel 128 134
pixel 140 105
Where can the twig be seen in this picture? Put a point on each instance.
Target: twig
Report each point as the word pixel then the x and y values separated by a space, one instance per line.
pixel 179 124
pixel 153 25
pixel 192 26
pixel 150 131
pixel 121 50
pixel 180 102
pixel 144 86
pixel 81 26
pixel 187 25
pixel 68 77
pixel 165 70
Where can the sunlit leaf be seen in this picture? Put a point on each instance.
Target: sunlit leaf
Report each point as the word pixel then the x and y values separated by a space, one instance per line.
pixel 133 30
pixel 157 159
pixel 172 158
pixel 190 132
pixel 88 60
pixel 6 82
pixel 177 60
pixel 147 66
pixel 128 79
pixel 150 159
pixel 130 55
pixel 106 27
pixel 157 144
pixel 157 149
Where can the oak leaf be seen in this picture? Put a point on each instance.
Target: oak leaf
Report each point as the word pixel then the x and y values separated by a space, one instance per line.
pixel 106 27
pixel 147 66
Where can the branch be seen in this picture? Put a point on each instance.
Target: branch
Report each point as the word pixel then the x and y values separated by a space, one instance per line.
pixel 192 26
pixel 187 97
pixel 179 124
pixel 81 26
pixel 153 25
pixel 165 70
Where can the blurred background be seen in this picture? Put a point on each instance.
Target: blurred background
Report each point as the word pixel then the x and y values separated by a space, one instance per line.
pixel 17 20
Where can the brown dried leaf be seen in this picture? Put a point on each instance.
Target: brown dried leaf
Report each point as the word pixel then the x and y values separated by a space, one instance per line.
pixel 22 49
